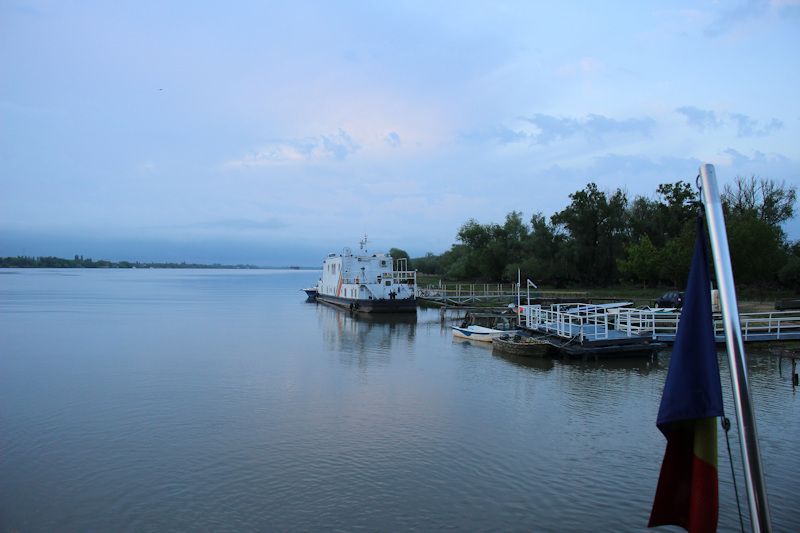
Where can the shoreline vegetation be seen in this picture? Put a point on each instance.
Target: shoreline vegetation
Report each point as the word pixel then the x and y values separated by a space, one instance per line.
pixel 80 262
pixel 603 240
pixel 600 242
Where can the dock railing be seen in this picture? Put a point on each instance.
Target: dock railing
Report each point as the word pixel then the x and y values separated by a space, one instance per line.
pixel 586 322
pixel 569 321
pixel 778 325
pixel 404 276
pixel 654 323
pixel 766 326
pixel 466 293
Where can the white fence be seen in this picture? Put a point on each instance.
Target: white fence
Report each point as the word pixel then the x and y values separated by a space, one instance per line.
pixel 568 321
pixel 584 321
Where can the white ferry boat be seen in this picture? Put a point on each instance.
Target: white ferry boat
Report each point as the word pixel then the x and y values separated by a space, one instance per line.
pixel 367 283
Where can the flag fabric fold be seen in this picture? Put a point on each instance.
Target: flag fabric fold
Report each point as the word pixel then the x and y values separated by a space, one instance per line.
pixel 687 491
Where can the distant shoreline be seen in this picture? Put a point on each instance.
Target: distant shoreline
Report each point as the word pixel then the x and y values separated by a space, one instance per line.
pixel 81 262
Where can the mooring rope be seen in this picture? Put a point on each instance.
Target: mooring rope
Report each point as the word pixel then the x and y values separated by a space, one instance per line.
pixel 726 425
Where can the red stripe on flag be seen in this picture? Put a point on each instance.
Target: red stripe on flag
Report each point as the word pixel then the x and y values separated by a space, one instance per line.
pixel 687 493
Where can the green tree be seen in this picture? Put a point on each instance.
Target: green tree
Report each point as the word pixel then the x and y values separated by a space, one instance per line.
pixel 397 253
pixel 760 198
pixel 429 264
pixel 789 274
pixel 676 256
pixel 598 228
pixel 755 209
pixel 643 262
pixel 757 252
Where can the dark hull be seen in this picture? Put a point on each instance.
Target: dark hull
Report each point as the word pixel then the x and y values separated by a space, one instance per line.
pixel 520 345
pixel 408 305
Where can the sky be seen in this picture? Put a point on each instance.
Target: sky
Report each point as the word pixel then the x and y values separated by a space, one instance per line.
pixel 273 133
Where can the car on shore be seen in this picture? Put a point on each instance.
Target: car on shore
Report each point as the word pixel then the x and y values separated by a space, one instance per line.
pixel 672 299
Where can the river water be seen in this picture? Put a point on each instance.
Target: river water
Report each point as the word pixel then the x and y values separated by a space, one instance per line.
pixel 155 400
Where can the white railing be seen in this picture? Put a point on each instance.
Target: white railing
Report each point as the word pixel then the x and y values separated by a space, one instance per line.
pixel 586 322
pixel 474 291
pixel 404 276
pixel 647 322
pixel 569 321
pixel 755 326
pixel 778 325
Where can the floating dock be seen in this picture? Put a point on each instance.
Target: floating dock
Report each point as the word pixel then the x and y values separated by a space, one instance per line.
pixel 615 329
pixel 464 294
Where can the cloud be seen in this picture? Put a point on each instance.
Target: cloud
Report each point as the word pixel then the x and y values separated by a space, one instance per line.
pixel 586 65
pixel 748 127
pixel 393 139
pixel 551 128
pixel 640 174
pixel 212 227
pixel 337 147
pixel 735 158
pixel 730 18
pixel 240 224
pixel 498 134
pixel 541 129
pixel 703 119
pixel 699 118
pixel 787 8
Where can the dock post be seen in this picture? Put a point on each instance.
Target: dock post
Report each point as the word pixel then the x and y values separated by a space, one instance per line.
pixel 745 417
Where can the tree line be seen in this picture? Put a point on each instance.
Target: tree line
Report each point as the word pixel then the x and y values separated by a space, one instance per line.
pixel 79 261
pixel 603 238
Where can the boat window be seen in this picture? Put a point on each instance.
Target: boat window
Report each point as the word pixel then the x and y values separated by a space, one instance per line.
pixel 388 282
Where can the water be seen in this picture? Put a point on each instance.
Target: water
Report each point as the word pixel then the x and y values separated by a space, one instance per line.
pixel 153 400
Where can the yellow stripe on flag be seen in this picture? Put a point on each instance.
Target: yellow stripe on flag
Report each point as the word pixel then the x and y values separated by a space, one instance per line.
pixel 705 440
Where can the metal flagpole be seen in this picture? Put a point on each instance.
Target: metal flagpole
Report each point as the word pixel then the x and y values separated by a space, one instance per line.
pixel 753 473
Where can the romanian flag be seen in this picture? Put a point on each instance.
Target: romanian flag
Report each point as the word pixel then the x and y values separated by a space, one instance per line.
pixel 687 492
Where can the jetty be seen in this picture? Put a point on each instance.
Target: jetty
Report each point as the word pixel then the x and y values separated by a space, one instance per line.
pixel 586 329
pixel 756 327
pixel 474 294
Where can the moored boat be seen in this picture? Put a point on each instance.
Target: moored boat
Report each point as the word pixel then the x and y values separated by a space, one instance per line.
pixel 367 283
pixel 484 326
pixel 521 345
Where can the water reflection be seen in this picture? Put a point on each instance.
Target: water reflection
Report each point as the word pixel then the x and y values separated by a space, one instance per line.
pixel 540 364
pixel 487 346
pixel 365 340
pixel 172 400
pixel 638 365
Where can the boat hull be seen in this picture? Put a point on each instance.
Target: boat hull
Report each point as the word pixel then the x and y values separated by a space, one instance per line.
pixel 477 333
pixel 520 345
pixel 388 305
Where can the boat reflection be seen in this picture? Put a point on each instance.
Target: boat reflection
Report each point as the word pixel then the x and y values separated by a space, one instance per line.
pixel 541 364
pixel 486 346
pixel 364 340
pixel 638 365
